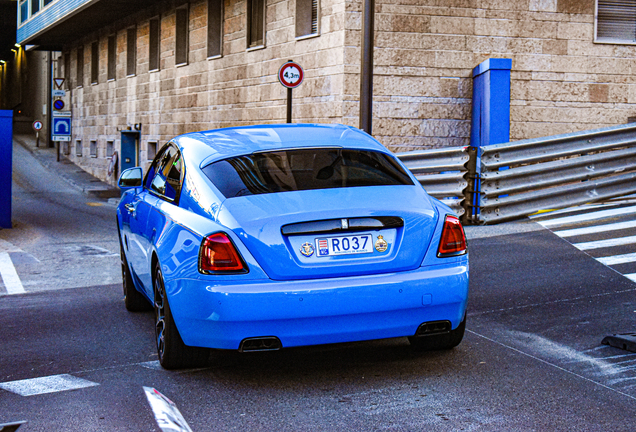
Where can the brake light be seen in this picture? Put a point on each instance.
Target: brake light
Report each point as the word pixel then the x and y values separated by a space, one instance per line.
pixel 453 241
pixel 218 254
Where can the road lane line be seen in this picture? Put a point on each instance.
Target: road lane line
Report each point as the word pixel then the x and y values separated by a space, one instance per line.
pixel 619 241
pixel 551 364
pixel 9 276
pixel 618 259
pixel 588 216
pixel 631 276
pixel 596 229
pixel 47 384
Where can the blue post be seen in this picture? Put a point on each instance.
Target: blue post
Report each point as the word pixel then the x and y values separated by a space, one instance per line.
pixel 6 151
pixel 491 111
pixel 491 103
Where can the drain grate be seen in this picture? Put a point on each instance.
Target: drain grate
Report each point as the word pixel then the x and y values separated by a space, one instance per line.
pixel 625 342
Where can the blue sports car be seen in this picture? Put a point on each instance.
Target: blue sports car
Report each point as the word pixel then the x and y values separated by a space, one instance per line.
pixel 264 237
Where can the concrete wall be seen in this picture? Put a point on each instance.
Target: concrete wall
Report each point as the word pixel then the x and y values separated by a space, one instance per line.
pixel 425 51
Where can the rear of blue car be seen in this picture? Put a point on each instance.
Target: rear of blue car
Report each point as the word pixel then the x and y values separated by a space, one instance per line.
pixel 288 235
pixel 354 252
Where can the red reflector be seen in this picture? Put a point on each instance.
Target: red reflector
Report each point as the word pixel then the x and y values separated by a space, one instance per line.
pixel 219 254
pixel 453 241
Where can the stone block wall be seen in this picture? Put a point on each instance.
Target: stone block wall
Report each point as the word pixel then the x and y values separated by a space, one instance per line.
pixel 426 49
pixel 239 88
pixel 425 53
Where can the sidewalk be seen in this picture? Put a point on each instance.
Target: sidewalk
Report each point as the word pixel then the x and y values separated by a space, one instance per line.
pixel 67 170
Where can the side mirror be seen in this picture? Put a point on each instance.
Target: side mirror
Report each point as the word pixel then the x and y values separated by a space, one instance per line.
pixel 130 178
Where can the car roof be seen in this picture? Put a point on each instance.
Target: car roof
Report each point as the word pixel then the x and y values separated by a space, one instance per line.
pixel 208 146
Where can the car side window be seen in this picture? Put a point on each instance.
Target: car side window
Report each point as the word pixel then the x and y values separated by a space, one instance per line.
pixel 164 176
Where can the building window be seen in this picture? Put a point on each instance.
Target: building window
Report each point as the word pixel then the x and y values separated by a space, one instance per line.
pixel 80 66
pixel 306 17
pixel 616 21
pixel 78 148
pixel 24 11
pixel 215 28
pixel 46 2
pixel 181 37
pixel 152 150
pixel 255 23
pixel 154 44
pixel 112 57
pixel 131 51
pixel 94 149
pixel 110 148
pixel 94 62
pixel 35 7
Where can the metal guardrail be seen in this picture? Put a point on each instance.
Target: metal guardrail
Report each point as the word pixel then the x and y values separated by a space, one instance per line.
pixel 501 182
pixel 442 173
pixel 522 177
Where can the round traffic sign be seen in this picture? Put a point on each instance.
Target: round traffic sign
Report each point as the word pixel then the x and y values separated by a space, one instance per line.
pixel 290 75
pixel 58 104
pixel 37 125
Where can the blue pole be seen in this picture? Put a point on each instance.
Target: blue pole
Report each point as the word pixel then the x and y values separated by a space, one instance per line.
pixel 491 111
pixel 6 169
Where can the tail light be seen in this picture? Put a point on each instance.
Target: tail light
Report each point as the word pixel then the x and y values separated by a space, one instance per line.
pixel 218 254
pixel 453 241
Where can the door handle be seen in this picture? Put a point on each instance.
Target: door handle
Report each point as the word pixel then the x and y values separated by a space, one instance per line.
pixel 130 207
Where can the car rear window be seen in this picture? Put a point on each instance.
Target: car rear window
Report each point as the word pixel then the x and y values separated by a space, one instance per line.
pixel 308 169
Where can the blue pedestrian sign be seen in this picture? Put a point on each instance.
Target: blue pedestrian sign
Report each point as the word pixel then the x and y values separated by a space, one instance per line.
pixel 61 129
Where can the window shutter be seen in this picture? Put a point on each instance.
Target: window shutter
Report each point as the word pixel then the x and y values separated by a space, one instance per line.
pixel 616 21
pixel 314 16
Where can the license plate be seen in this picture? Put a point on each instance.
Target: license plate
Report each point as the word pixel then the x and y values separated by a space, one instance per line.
pixel 345 245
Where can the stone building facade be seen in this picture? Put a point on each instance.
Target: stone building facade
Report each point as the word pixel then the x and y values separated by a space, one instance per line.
pixel 564 78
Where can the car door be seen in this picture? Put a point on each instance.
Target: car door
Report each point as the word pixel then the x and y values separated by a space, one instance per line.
pixel 163 186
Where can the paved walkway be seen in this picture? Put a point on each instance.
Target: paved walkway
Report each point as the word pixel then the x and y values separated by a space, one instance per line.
pixel 67 170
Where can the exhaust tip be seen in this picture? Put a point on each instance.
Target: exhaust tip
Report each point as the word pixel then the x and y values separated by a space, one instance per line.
pixel 266 343
pixel 433 328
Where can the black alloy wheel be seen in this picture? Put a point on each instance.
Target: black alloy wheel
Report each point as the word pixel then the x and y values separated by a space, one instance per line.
pixel 172 352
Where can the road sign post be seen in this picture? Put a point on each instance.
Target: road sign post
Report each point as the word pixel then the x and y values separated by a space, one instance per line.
pixel 37 127
pixel 290 75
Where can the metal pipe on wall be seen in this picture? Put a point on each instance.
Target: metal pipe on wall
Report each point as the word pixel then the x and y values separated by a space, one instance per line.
pixel 366 70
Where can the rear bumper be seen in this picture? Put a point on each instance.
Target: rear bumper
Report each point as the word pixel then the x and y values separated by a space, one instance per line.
pixel 313 312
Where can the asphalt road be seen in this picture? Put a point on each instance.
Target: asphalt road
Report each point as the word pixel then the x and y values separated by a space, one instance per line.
pixel 531 359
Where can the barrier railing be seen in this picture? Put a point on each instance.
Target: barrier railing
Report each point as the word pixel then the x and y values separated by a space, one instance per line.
pixel 522 177
pixel 442 172
pixel 507 181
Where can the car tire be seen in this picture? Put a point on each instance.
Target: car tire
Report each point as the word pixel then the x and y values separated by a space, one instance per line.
pixel 133 299
pixel 173 353
pixel 439 342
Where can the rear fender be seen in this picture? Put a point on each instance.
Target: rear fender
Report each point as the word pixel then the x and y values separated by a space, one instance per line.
pixel 177 248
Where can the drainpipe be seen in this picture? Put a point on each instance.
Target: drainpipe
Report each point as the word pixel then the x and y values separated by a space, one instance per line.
pixel 366 69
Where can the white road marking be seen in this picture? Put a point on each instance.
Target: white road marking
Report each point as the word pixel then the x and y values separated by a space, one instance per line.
pixel 168 416
pixel 618 259
pixel 631 276
pixel 48 384
pixel 9 276
pixel 556 366
pixel 619 241
pixel 596 229
pixel 588 216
